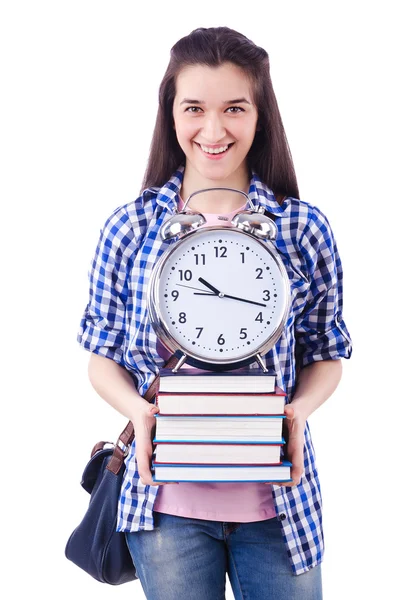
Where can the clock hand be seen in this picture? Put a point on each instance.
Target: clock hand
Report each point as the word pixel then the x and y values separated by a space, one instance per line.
pixel 194 288
pixel 222 295
pixel 244 300
pixel 228 296
pixel 211 287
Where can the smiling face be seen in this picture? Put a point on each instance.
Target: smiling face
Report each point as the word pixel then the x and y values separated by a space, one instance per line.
pixel 215 122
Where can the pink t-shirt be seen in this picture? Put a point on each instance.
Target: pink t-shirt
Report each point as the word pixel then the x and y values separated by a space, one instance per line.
pixel 226 502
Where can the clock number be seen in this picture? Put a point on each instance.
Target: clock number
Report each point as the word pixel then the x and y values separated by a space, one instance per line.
pixel 243 333
pixel 259 318
pixel 242 254
pixel 185 275
pixel 221 340
pixel 175 294
pixel 266 295
pixel 182 317
pixel 200 332
pixel 259 271
pixel 220 252
pixel 196 256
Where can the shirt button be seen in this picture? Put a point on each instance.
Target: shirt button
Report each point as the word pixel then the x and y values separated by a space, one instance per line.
pixel 283 516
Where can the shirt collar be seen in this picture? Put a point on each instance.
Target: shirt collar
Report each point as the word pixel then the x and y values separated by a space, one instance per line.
pixel 259 194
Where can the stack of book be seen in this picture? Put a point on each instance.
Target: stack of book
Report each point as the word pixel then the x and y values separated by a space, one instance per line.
pixel 224 426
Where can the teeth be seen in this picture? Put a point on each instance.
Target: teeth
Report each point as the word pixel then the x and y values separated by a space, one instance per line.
pixel 214 150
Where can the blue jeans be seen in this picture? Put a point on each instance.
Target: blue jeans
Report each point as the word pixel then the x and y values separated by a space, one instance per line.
pixel 187 559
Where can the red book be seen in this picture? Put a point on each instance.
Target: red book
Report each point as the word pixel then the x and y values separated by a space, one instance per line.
pixel 214 403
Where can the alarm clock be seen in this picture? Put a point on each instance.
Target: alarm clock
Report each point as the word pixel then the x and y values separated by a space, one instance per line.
pixel 219 297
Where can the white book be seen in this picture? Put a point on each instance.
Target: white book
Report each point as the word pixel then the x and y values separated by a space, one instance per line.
pixel 259 454
pixel 252 380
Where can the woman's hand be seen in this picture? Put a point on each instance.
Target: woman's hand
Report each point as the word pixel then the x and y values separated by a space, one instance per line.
pixel 144 425
pixel 115 385
pixel 295 424
pixel 315 384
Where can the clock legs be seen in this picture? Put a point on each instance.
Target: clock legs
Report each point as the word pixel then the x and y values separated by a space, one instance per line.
pixel 180 362
pixel 260 362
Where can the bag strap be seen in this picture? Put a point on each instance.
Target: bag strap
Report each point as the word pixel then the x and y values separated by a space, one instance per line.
pixel 127 435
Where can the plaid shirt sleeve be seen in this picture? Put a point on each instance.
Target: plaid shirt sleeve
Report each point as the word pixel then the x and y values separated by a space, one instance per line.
pixel 320 331
pixel 102 328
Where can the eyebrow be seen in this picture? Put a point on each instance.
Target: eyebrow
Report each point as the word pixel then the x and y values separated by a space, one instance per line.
pixel 235 101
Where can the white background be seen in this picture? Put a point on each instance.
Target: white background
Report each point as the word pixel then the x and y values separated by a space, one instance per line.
pixel 79 97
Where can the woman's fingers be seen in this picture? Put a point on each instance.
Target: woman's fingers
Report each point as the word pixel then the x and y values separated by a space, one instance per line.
pixel 143 454
pixel 144 450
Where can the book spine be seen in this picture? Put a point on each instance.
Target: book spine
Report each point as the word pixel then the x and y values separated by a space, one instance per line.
pixel 205 443
pixel 163 414
pixel 208 464
pixel 277 392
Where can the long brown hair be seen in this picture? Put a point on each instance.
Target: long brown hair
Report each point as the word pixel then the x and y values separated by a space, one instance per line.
pixel 269 154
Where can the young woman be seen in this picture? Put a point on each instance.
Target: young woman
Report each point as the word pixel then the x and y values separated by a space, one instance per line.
pixel 218 125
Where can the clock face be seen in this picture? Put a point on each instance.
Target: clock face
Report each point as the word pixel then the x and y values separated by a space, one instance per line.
pixel 219 295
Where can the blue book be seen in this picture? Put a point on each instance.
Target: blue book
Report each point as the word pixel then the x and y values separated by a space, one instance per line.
pixel 226 428
pixel 222 473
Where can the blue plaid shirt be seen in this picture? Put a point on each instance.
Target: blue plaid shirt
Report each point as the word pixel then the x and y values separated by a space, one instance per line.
pixel 116 325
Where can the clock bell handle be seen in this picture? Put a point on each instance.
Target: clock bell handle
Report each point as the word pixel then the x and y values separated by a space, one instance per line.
pixel 218 188
pixel 183 222
pixel 252 220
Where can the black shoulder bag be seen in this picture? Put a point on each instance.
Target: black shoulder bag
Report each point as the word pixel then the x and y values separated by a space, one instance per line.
pixel 95 546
